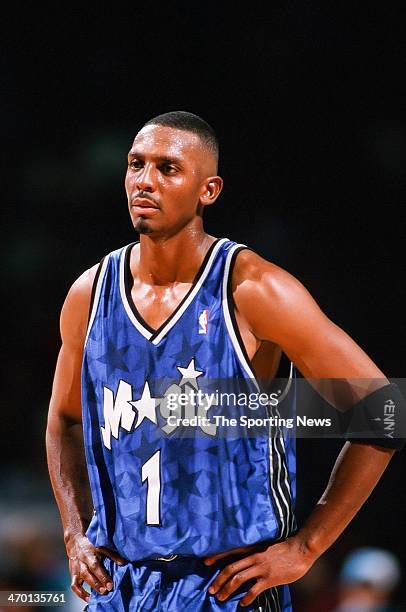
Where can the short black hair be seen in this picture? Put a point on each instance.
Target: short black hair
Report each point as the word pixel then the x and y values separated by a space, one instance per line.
pixel 189 122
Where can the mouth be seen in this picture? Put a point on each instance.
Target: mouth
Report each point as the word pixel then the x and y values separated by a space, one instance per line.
pixel 142 201
pixel 144 206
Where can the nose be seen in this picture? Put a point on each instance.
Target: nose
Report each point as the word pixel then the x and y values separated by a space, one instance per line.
pixel 145 180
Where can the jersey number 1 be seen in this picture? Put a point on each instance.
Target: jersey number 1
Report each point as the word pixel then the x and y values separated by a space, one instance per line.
pixel 150 472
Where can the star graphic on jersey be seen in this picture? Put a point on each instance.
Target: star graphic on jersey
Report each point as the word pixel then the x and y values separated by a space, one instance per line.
pixel 146 407
pixel 189 374
pixel 186 347
pixel 113 358
pixel 185 485
pixel 230 516
pixel 148 443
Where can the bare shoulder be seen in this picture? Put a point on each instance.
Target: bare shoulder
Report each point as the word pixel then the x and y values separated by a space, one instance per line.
pixel 75 310
pixel 81 290
pixel 269 299
pixel 254 276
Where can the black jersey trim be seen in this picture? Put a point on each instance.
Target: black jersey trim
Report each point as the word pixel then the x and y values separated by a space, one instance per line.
pixel 279 476
pixel 95 294
pixel 268 601
pixel 275 484
pixel 231 304
pixel 92 295
pixel 186 297
pixel 128 281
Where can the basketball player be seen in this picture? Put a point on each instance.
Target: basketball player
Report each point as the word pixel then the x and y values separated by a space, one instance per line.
pixel 199 521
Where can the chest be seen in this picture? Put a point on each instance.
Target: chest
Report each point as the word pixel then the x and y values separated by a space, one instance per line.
pixel 156 304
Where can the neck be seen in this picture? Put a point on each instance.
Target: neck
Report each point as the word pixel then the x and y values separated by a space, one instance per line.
pixel 176 258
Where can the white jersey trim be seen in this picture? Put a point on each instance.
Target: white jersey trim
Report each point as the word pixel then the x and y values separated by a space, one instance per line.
pixel 288 384
pixel 179 312
pixel 97 293
pixel 192 294
pixel 143 331
pixel 227 316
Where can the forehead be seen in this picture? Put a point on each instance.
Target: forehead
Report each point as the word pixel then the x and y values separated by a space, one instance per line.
pixel 159 140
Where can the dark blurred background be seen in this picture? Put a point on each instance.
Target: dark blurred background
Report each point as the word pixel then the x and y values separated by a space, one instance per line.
pixel 308 100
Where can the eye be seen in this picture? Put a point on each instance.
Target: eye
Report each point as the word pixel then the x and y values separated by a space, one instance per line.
pixel 168 169
pixel 135 164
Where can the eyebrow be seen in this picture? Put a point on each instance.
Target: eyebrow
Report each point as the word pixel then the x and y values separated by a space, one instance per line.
pixel 158 158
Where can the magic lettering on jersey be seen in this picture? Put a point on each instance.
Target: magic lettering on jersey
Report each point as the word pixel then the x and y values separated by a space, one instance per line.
pixel 181 403
pixel 122 410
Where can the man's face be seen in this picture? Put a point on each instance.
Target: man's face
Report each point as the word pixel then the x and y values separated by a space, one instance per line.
pixel 165 178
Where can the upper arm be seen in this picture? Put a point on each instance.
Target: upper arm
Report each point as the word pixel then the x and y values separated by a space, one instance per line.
pixel 66 389
pixel 279 308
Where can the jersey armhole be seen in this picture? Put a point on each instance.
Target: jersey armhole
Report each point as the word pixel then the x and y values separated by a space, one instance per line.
pixel 95 280
pixel 229 311
pixel 232 325
pixel 95 294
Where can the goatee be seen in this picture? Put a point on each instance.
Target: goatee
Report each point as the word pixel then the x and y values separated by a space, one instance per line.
pixel 141 226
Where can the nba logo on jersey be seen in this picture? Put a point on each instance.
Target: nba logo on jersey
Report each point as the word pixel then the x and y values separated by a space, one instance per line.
pixel 203 321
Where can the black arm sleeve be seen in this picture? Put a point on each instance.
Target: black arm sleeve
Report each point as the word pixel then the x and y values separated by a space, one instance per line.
pixel 379 418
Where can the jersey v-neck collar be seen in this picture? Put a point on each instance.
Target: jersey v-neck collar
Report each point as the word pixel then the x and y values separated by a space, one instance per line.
pixel 126 283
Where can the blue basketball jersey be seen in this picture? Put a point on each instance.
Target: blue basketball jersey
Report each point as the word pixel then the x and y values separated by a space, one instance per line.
pixel 163 485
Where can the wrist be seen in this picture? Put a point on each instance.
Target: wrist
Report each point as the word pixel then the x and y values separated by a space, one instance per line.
pixel 75 526
pixel 71 534
pixel 306 546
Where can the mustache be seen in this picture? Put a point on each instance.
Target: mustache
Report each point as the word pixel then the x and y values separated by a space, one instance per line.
pixel 145 196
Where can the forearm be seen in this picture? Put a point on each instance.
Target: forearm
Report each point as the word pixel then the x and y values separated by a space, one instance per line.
pixel 355 474
pixel 68 473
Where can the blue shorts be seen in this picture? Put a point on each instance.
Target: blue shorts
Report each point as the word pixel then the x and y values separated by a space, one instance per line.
pixel 180 585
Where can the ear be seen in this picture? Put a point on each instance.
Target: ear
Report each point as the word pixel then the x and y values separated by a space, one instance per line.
pixel 210 191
